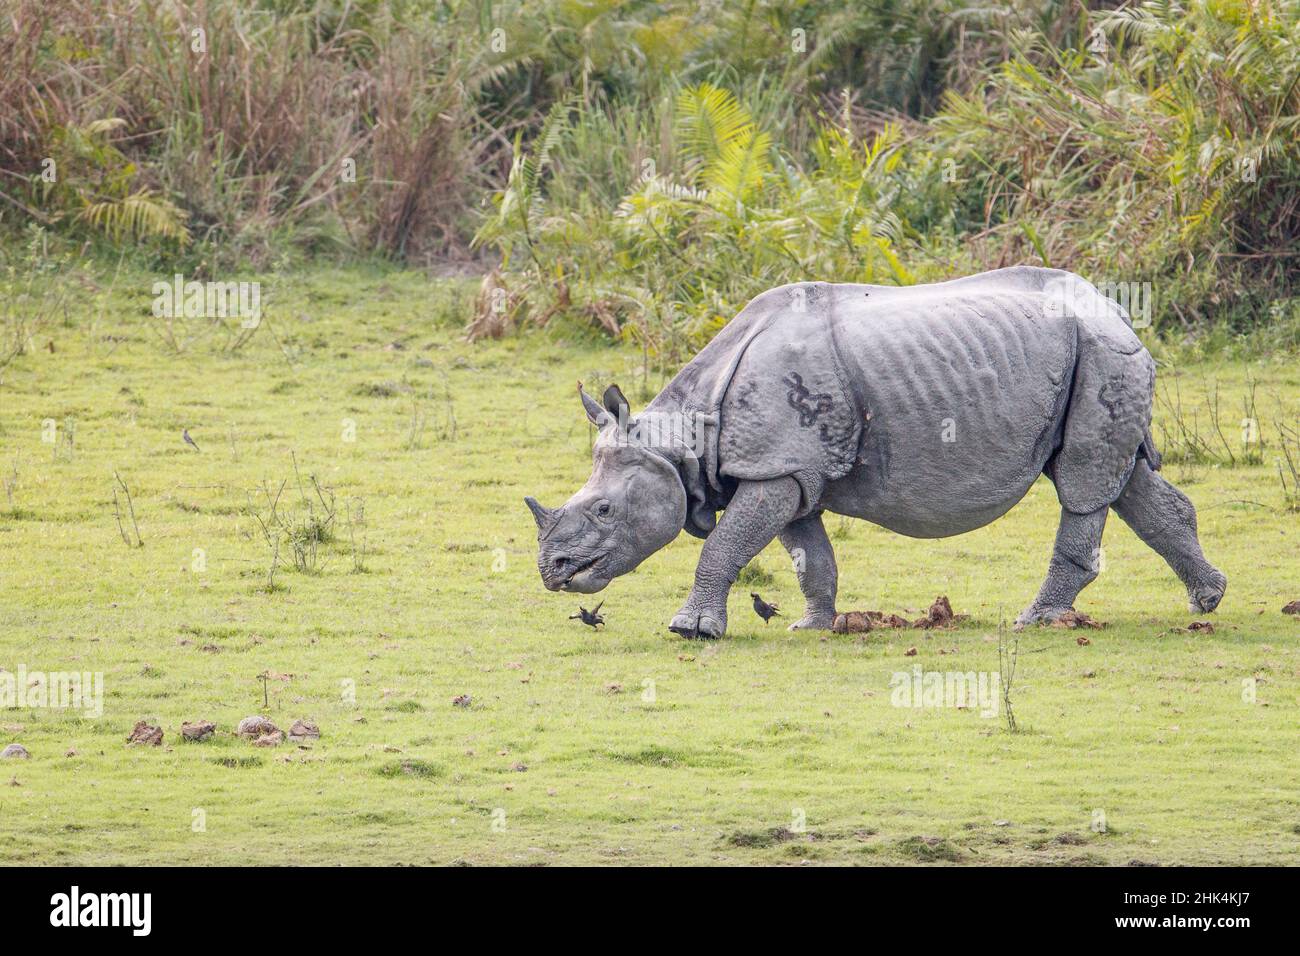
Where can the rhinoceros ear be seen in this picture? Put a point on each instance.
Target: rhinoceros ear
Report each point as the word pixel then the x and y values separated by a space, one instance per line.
pixel 617 405
pixel 595 413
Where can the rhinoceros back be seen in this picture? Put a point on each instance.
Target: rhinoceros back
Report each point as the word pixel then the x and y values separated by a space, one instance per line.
pixel 963 388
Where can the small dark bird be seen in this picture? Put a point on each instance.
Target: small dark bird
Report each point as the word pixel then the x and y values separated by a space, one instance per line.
pixel 763 609
pixel 185 433
pixel 590 618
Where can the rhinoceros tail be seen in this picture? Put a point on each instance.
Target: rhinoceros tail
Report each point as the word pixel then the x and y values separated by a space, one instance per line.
pixel 1149 451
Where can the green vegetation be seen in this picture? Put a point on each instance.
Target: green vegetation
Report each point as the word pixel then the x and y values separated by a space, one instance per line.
pixel 1164 150
pixel 644 168
pixel 568 746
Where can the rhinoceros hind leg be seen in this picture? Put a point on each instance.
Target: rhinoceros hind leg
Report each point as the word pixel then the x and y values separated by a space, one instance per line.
pixel 814 564
pixel 755 515
pixel 1164 518
pixel 1073 567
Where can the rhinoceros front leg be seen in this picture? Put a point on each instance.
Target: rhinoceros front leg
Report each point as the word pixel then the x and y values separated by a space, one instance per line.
pixel 756 514
pixel 814 563
pixel 1073 567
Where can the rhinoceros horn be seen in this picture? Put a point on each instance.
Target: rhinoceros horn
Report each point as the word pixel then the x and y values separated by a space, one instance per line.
pixel 546 518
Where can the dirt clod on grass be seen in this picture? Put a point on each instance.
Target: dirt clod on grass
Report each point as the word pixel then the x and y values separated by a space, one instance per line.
pixel 463 700
pixel 852 622
pixel 251 727
pixel 1292 608
pixel 939 615
pixel 273 739
pixel 15 752
pixel 1205 627
pixel 303 730
pixel 197 730
pixel 1073 619
pixel 145 734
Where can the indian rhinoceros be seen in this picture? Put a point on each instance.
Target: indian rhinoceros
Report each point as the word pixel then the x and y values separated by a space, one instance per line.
pixel 927 409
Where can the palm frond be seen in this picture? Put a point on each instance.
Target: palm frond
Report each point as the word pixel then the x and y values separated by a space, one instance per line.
pixel 141 215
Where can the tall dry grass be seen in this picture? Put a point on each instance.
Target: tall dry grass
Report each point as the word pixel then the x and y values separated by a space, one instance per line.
pixel 303 127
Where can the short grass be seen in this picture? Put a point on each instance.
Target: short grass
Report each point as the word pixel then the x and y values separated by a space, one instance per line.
pixel 629 745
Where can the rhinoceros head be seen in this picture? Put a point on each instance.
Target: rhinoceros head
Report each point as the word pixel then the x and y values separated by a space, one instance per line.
pixel 633 504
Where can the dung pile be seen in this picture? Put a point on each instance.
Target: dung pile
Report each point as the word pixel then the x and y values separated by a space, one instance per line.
pixel 939 616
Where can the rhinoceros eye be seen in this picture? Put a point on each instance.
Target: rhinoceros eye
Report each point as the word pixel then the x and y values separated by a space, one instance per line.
pixel 604 509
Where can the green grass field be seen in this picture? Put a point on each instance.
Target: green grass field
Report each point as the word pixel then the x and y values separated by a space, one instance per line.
pixel 624 746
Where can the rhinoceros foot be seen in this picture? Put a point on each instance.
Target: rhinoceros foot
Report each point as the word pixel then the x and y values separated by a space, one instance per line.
pixel 704 623
pixel 1206 597
pixel 814 622
pixel 1036 614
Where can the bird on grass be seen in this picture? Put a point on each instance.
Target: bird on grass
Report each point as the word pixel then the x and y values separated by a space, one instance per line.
pixel 763 609
pixel 590 618
pixel 185 434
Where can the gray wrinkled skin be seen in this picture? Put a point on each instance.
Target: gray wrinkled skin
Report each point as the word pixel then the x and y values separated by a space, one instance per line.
pixel 929 410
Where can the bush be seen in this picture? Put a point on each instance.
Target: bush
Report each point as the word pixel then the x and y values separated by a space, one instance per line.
pixel 1166 150
pixel 1163 151
pixel 643 168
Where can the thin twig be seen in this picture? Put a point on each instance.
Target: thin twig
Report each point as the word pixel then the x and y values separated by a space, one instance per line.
pixel 130 507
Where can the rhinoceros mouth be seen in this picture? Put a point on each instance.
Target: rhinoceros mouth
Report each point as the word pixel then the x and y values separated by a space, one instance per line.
pixel 566 584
